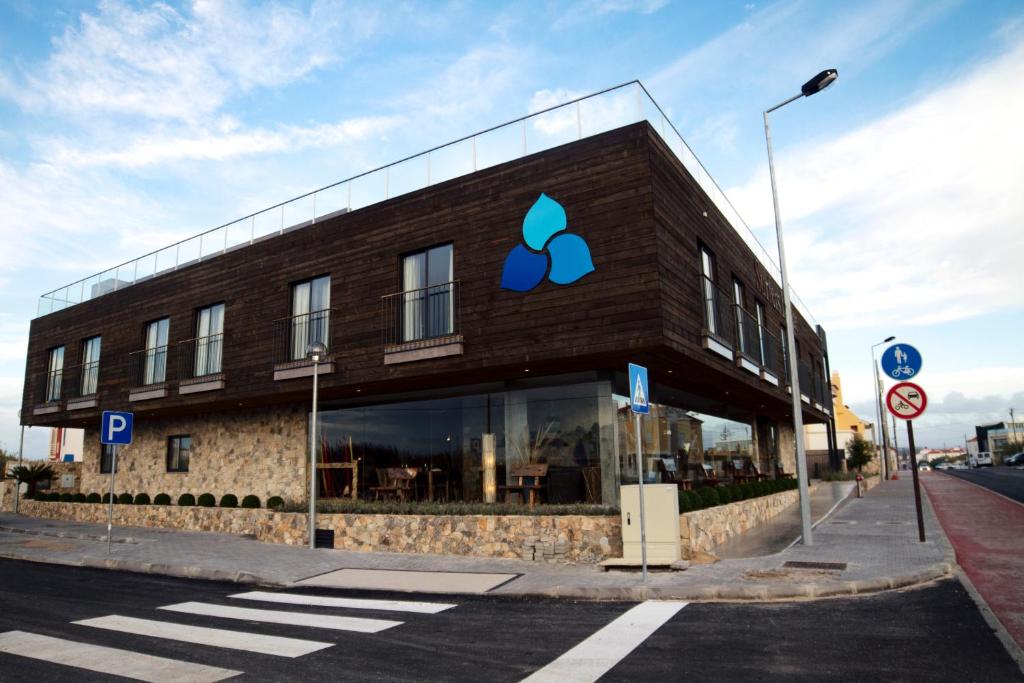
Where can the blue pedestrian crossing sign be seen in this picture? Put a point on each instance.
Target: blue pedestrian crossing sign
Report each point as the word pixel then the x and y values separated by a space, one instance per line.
pixel 639 389
pixel 116 428
pixel 901 361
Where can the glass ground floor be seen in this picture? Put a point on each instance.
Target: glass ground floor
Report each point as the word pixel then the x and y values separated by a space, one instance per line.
pixel 472 445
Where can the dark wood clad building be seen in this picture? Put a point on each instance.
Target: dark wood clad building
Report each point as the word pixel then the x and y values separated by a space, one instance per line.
pixel 428 354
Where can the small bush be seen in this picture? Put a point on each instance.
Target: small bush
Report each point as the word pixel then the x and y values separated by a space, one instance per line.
pixel 53 497
pixel 106 498
pixel 66 497
pixel 684 502
pixel 93 498
pixel 78 498
pixel 206 500
pixel 229 500
pixel 725 494
pixel 695 502
pixel 186 500
pixel 275 502
pixel 125 499
pixel 734 493
pixel 162 499
pixel 709 496
pixel 41 496
pixel 251 502
pixel 141 499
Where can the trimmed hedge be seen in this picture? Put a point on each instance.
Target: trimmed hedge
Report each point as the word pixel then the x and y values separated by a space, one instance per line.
pixel 229 500
pixel 251 502
pixel 206 500
pixel 125 499
pixel 162 499
pixel 79 498
pixel 66 497
pixel 709 496
pixel 141 499
pixel 275 502
pixel 106 498
pixel 93 498
pixel 186 500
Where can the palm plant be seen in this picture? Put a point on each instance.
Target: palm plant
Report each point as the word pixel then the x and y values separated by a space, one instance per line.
pixel 32 475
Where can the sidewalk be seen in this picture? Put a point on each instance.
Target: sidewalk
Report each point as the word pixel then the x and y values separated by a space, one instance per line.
pixel 875 538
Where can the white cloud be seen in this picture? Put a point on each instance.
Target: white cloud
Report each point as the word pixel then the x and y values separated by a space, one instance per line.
pixel 226 143
pixel 914 218
pixel 158 63
pixel 588 10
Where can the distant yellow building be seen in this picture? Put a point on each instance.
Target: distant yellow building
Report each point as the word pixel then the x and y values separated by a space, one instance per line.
pixel 847 424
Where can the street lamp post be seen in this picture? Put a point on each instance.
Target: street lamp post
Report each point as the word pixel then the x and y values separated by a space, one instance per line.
pixel 314 352
pixel 881 434
pixel 811 87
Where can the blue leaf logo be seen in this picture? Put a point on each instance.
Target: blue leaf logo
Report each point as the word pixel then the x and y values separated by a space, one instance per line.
pixel 546 243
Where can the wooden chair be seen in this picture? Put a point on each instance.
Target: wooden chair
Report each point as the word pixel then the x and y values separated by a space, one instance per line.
pixel 670 474
pixel 782 474
pixel 385 488
pixel 755 473
pixel 530 479
pixel 403 479
pixel 706 475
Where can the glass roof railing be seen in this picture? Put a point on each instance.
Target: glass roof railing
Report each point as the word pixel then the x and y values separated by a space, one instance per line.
pixel 583 117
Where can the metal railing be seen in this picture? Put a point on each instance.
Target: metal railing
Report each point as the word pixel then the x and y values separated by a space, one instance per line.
pixel 748 337
pixel 292 335
pixel 772 355
pixel 50 388
pixel 149 367
pixel 419 317
pixel 582 117
pixel 81 380
pixel 803 371
pixel 201 357
pixel 717 309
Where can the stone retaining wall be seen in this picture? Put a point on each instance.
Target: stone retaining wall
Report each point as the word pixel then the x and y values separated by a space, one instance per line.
pixel 568 538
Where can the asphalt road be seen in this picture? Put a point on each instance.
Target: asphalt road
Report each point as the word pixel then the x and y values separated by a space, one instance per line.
pixel 930 634
pixel 1008 481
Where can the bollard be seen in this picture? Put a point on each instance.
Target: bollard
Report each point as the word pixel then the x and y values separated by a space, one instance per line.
pixel 860 486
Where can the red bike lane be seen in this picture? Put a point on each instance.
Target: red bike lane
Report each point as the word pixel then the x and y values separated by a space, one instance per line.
pixel 987 533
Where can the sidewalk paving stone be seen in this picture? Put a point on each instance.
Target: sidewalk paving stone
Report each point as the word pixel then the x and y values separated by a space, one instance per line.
pixel 876 537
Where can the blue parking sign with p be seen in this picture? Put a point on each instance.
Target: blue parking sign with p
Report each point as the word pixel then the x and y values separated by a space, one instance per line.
pixel 116 428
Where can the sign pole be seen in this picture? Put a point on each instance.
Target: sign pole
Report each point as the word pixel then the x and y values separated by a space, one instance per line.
pixel 917 485
pixel 643 526
pixel 110 503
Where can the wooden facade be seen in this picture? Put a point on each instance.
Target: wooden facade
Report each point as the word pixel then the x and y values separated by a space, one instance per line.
pixel 641 213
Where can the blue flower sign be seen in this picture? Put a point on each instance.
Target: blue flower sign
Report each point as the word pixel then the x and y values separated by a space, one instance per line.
pixel 563 256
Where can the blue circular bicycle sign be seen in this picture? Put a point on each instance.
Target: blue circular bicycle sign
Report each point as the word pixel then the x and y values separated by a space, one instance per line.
pixel 901 361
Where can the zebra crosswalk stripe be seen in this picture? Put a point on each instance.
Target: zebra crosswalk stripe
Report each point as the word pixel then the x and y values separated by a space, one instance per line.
pixel 356 624
pixel 350 603
pixel 235 640
pixel 109 660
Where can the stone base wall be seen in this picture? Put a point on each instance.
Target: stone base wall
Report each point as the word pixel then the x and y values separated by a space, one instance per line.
pixel 73 470
pixel 568 538
pixel 260 452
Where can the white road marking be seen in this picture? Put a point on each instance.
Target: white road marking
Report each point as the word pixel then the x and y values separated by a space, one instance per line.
pixel 350 603
pixel 293 618
pixel 596 655
pixel 235 640
pixel 109 660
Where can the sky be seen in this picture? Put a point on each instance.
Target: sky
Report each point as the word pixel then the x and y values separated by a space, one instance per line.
pixel 127 126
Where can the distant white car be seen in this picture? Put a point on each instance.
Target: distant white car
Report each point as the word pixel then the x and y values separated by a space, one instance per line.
pixel 924 467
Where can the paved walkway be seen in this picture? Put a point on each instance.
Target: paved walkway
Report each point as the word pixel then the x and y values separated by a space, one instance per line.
pixel 987 531
pixel 870 545
pixel 785 529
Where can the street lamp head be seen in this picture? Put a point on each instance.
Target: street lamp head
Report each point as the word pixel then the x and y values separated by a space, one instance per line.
pixel 888 339
pixel 819 82
pixel 316 351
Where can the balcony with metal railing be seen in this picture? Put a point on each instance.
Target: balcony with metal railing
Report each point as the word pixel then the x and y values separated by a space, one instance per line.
pixel 418 324
pixel 82 385
pixel 150 372
pixel 49 392
pixel 293 336
pixel 579 118
pixel 200 364
pixel 719 333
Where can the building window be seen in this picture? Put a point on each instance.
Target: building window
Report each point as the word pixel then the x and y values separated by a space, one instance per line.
pixel 311 303
pixel 738 298
pixel 106 457
pixel 785 350
pixel 154 366
pixel 54 373
pixel 707 271
pixel 761 320
pixel 178 450
pixel 209 340
pixel 90 366
pixel 427 301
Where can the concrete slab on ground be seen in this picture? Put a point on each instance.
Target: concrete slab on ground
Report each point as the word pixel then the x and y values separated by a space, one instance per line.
pixel 409 581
